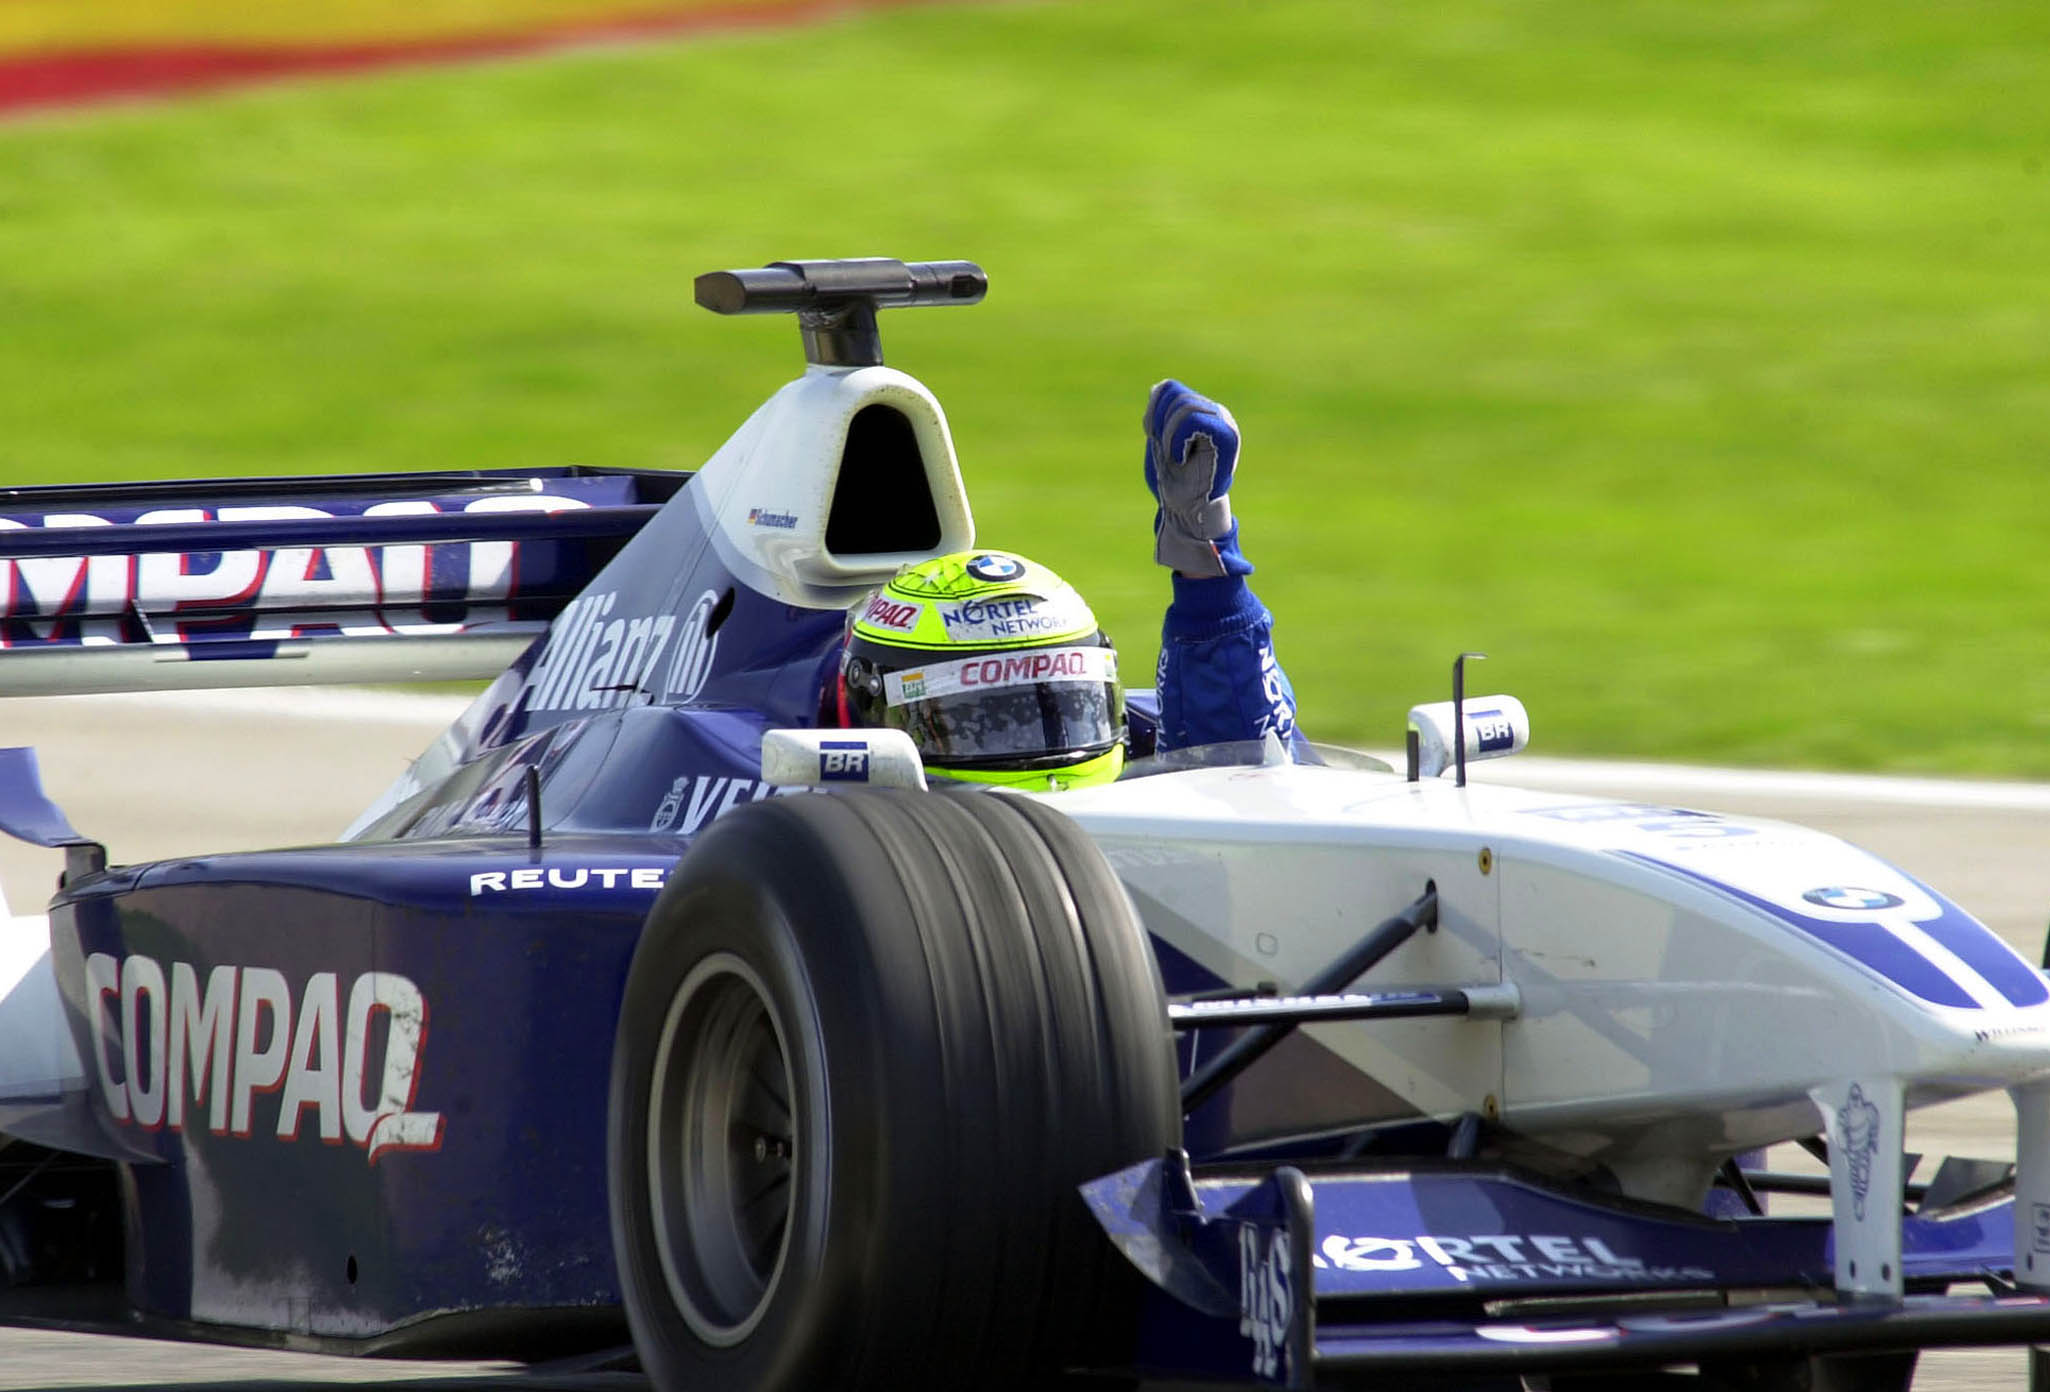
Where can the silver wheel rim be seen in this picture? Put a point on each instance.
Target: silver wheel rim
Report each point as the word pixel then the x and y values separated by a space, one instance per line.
pixel 722 1149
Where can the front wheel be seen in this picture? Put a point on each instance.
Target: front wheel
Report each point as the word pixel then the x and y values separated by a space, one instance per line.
pixel 870 1044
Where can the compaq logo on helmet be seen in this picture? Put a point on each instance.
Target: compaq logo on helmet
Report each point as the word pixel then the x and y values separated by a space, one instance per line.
pixel 1016 669
pixel 1027 667
pixel 995 568
pixel 898 616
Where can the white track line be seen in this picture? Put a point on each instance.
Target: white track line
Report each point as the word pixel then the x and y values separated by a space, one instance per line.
pixel 431 712
pixel 1890 789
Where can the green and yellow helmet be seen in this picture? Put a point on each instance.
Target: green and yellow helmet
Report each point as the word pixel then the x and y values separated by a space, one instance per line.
pixel 995 667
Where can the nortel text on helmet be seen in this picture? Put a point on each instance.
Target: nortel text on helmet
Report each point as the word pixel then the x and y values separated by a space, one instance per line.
pixel 1020 617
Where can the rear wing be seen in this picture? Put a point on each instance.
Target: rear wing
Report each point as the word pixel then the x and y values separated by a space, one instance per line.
pixel 288 581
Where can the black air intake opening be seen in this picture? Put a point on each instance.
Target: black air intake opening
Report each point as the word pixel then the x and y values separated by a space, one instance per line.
pixel 882 500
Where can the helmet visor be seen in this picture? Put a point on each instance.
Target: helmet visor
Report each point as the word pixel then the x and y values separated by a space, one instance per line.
pixel 1008 708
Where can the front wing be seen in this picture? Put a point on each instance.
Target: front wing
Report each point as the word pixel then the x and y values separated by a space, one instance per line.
pixel 1349 1275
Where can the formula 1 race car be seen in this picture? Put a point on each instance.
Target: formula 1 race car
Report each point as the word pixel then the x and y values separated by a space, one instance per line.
pixel 1266 1064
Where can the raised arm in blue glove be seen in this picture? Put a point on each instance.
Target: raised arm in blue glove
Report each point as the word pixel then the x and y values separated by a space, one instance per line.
pixel 1218 676
pixel 1192 450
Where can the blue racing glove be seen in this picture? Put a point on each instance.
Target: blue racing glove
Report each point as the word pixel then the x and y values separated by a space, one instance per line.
pixel 1218 677
pixel 1192 448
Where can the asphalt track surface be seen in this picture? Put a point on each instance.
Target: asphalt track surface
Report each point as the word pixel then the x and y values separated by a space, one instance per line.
pixel 157 776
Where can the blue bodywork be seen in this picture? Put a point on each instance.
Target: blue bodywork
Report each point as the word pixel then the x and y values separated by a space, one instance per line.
pixel 358 1092
pixel 416 1023
pixel 314 1234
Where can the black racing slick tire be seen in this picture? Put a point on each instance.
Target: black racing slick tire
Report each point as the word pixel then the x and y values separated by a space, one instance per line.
pixel 870 1045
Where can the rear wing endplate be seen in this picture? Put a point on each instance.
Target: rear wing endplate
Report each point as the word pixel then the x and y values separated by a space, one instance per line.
pixel 289 581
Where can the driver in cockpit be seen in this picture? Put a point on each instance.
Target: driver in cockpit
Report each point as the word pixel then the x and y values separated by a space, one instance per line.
pixel 999 672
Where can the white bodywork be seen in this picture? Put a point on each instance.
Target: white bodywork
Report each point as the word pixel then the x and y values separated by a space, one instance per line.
pixel 784 464
pixel 1676 1010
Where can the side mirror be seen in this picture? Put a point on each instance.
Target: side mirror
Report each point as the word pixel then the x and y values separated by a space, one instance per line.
pixel 822 758
pixel 1496 727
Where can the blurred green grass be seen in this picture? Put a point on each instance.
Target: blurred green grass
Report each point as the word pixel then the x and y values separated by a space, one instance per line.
pixel 1693 361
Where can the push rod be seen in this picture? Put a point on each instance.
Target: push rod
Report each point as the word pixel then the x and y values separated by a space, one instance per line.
pixel 1787 1182
pixel 1249 1048
pixel 1480 1001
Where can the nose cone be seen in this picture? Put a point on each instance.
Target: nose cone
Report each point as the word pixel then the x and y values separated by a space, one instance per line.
pixel 1886 922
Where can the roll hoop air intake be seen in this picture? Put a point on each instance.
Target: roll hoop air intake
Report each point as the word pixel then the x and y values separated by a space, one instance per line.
pixel 836 301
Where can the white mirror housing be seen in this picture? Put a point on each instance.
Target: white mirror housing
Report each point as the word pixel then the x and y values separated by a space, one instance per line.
pixel 826 758
pixel 1496 727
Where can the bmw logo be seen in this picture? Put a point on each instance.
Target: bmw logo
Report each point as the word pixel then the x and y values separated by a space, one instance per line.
pixel 988 567
pixel 1850 897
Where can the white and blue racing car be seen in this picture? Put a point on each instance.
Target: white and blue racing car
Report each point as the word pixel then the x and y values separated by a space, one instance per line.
pixel 1264 1065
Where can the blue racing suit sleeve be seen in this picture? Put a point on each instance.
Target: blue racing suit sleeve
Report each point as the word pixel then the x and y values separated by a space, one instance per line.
pixel 1218 676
